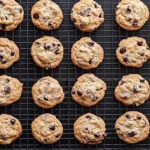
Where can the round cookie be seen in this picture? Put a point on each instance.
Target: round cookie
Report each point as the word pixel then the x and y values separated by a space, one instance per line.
pixel 89 129
pixel 11 15
pixel 47 92
pixel 10 90
pixel 47 52
pixel 87 54
pixel 133 52
pixel 132 90
pixel 132 127
pixel 88 90
pixel 9 53
pixel 131 14
pixel 46 15
pixel 47 129
pixel 10 129
pixel 87 15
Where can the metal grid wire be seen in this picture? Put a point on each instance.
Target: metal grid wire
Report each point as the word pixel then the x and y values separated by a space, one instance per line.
pixel 108 35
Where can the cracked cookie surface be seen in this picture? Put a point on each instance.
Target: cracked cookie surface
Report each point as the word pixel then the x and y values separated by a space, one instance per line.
pixel 47 52
pixel 47 129
pixel 10 90
pixel 10 129
pixel 89 129
pixel 131 14
pixel 86 53
pixel 47 92
pixel 46 15
pixel 88 90
pixel 87 15
pixel 133 52
pixel 133 89
pixel 132 127
pixel 11 15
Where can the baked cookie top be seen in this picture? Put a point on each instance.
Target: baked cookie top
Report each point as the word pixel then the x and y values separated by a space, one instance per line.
pixel 47 52
pixel 88 90
pixel 86 53
pixel 46 15
pixel 87 15
pixel 11 15
pixel 89 129
pixel 131 14
pixel 10 129
pixel 133 52
pixel 132 90
pixel 10 90
pixel 47 129
pixel 132 127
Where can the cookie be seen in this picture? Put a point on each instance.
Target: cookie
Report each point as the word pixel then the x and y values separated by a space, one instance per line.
pixel 47 129
pixel 132 127
pixel 88 90
pixel 89 129
pixel 47 92
pixel 46 15
pixel 9 53
pixel 10 129
pixel 132 90
pixel 133 52
pixel 87 15
pixel 10 90
pixel 11 15
pixel 47 52
pixel 131 14
pixel 87 54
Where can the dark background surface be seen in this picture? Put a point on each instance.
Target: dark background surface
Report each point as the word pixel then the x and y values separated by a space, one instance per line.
pixel 108 35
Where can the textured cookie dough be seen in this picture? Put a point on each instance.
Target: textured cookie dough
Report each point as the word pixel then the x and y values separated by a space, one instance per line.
pixel 47 129
pixel 87 15
pixel 133 52
pixel 10 129
pixel 132 90
pixel 89 129
pixel 87 54
pixel 10 90
pixel 132 127
pixel 9 53
pixel 46 15
pixel 47 52
pixel 47 92
pixel 131 14
pixel 11 15
pixel 88 90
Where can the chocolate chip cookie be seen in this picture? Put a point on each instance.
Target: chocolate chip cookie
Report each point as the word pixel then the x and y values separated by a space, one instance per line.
pixel 131 14
pixel 47 52
pixel 89 129
pixel 9 53
pixel 87 15
pixel 132 90
pixel 87 54
pixel 46 15
pixel 88 90
pixel 133 52
pixel 10 90
pixel 10 129
pixel 47 92
pixel 11 15
pixel 47 129
pixel 132 127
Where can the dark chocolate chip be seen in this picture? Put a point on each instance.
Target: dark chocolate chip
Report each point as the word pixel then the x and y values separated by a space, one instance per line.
pixel 131 134
pixel 47 46
pixel 20 10
pixel 38 44
pixel 52 127
pixel 91 43
pixel 129 19
pixel 117 129
pixel 95 98
pixel 127 116
pixel 45 97
pixel 82 25
pixel 128 9
pixel 97 134
pixel 91 60
pixel 2 3
pixel 13 121
pixel 142 54
pixel 79 93
pixel 88 117
pixel 135 89
pixel 7 80
pixel 58 44
pixel 135 23
pixel 36 16
pixel 73 19
pixel 100 15
pixel 57 136
pixel 57 51
pixel 85 11
pixel 1 55
pixel 50 24
pixel 87 140
pixel 95 5
pixel 12 53
pixel 142 80
pixel 88 92
pixel 122 82
pixel 4 61
pixel 73 91
pixel 45 140
pixel 138 117
pixel 48 66
pixel 53 44
pixel 3 137
pixel 3 26
pixel 139 43
pixel 122 50
pixel 7 89
pixel 125 59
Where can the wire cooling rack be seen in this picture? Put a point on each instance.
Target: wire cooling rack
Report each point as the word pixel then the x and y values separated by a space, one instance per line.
pixel 108 35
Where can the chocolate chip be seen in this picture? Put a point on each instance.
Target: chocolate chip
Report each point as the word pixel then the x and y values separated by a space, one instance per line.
pixel 100 15
pixel 95 5
pixel 85 11
pixel 12 53
pixel 36 16
pixel 7 89
pixel 45 140
pixel 127 116
pixel 117 129
pixel 57 136
pixel 142 80
pixel 138 117
pixel 95 98
pixel 87 140
pixel 91 60
pixel 58 44
pixel 7 80
pixel 122 50
pixel 129 19
pixel 86 128
pixel 3 137
pixel 79 93
pixel 52 127
pixel 50 24
pixel 88 92
pixel 3 26
pixel 125 59
pixel 139 43
pixel 38 44
pixel 128 9
pixel 2 3
pixel 48 66
pixel 53 44
pixel 91 43
pixel 142 54
pixel 135 89
pixel 4 61
pixel 73 91
pixel 147 48
pixel 47 46
pixel 45 97
pixel 20 10
pixel 88 117
pixel 97 134
pixel 1 55
pixel 131 134
pixel 13 121
pixel 82 25
pixel 122 82
pixel 73 19
pixel 57 51
pixel 135 23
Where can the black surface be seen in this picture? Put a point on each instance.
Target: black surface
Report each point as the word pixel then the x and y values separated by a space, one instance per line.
pixel 108 35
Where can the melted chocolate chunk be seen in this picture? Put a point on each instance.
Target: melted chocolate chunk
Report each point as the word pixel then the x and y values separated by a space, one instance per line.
pixel 20 10
pixel 57 51
pixel 79 93
pixel 135 23
pixel 139 43
pixel 47 46
pixel 52 127
pixel 100 15
pixel 53 44
pixel 4 61
pixel 73 19
pixel 85 11
pixel 125 59
pixel 91 43
pixel 45 97
pixel 36 16
pixel 87 140
pixel 122 82
pixel 58 44
pixel 3 26
pixel 95 98
pixel 97 134
pixel 50 24
pixel 135 89
pixel 122 50
pixel 127 116
pixel 73 91
pixel 91 60
pixel 95 5
pixel 7 80
pixel 88 117
pixel 142 80
pixel 57 136
pixel 12 53
pixel 2 3
pixel 128 9
pixel 138 117
pixel 117 129
pixel 3 137
pixel 131 134
pixel 12 121
pixel 7 89
pixel 48 66
pixel 142 54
